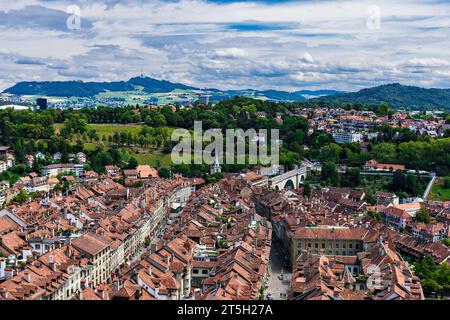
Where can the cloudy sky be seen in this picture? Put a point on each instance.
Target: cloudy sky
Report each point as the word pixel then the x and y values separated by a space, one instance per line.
pixel 287 45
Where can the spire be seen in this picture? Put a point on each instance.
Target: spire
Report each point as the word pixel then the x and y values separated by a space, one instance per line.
pixel 216 168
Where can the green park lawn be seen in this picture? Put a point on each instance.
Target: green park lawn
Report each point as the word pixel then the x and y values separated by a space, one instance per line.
pixel 143 156
pixel 154 159
pixel 107 129
pixel 438 192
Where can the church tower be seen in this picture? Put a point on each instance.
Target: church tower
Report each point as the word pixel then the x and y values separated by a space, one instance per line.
pixel 216 168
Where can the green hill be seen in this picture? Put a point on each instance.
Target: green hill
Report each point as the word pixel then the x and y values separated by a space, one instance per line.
pixel 90 89
pixel 397 96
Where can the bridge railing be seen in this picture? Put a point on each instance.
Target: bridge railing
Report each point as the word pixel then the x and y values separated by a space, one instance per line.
pixel 289 174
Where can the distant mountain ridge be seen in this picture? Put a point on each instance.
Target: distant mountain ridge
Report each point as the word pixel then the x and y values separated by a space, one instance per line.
pixel 397 96
pixel 148 85
pixel 90 89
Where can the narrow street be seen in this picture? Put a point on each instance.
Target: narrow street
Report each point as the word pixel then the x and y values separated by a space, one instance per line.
pixel 280 276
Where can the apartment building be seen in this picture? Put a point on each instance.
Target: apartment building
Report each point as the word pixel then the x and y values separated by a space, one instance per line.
pixel 347 137
pixel 53 170
pixel 329 240
pixel 98 249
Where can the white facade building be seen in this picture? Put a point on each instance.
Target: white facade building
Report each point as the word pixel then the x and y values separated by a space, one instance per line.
pixel 344 137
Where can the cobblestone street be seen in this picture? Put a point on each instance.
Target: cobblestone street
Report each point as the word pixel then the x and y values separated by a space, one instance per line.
pixel 278 285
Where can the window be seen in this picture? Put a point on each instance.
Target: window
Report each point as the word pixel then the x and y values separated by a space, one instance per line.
pixel 337 252
pixel 357 246
pixel 316 245
pixel 309 244
pixel 323 245
pixel 204 271
pixel 37 246
pixel 330 245
pixel 195 271
pixel 343 245
pixel 350 245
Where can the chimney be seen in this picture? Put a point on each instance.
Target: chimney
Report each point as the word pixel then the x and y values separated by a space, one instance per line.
pixel 150 272
pixel 51 262
pixel 297 220
pixel 27 276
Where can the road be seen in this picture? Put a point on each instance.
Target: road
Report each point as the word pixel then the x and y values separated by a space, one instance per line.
pixel 277 287
pixel 428 189
pixel 382 173
pixel 142 249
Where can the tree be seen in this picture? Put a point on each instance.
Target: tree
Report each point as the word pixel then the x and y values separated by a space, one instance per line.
pixel 382 110
pixel 433 277
pixel 21 197
pixel 398 181
pixel 375 215
pixel 446 241
pixel 76 123
pixel 164 173
pixel 132 163
pixel 422 216
pixel 446 184
pixel 369 198
pixel 330 175
pixel 307 190
pixel 412 184
pixel 351 178
pixel 385 152
pixel 330 153
pixel 100 160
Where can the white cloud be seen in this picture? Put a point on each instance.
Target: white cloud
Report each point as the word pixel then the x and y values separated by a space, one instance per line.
pixel 308 58
pixel 231 53
pixel 282 45
pixel 428 62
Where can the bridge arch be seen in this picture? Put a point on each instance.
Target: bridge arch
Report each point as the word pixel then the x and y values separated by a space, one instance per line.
pixel 289 180
pixel 289 185
pixel 301 180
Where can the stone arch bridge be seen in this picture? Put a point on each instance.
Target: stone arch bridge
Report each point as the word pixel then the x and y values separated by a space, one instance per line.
pixel 289 180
